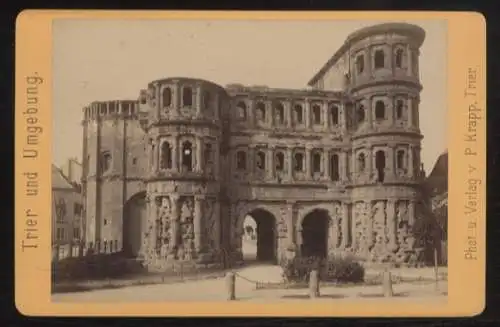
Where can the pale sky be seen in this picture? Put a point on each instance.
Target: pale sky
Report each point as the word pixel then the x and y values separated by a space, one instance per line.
pixel 97 60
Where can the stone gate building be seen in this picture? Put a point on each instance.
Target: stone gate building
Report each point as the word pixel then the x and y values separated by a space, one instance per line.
pixel 334 168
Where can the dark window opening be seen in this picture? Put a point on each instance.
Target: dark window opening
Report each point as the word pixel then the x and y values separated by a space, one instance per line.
pixel 280 161
pixel 334 167
pixel 103 108
pixel 206 99
pixel 242 110
pixel 316 163
pixel 360 64
pixel 279 113
pixel 261 111
pixel 360 113
pixel 317 114
pixel 399 109
pixel 166 156
pixel 261 160
pixel 299 162
pixel 400 159
pixel 126 108
pixel 187 156
pixel 379 59
pixel 241 160
pixel 187 97
pixel 297 110
pixel 105 162
pixel 379 110
pixel 361 162
pixel 399 58
pixel 380 165
pixel 134 161
pixel 334 111
pixel 112 108
pixel 166 97
pixel 208 153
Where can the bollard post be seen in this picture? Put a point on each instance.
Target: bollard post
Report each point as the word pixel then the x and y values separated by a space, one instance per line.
pixel 313 284
pixel 231 286
pixel 387 283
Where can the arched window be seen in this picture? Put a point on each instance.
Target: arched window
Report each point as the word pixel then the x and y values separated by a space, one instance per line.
pixel 361 162
pixel 334 113
pixel 380 165
pixel 399 109
pixel 316 114
pixel 298 161
pixel 206 99
pixel 400 159
pixel 166 156
pixel 280 161
pixel 187 97
pixel 379 110
pixel 379 59
pixel 241 160
pixel 241 107
pixel 261 111
pixel 360 64
pixel 105 162
pixel 334 167
pixel 187 156
pixel 297 111
pixel 261 160
pixel 399 58
pixel 166 97
pixel 360 113
pixel 279 113
pixel 316 162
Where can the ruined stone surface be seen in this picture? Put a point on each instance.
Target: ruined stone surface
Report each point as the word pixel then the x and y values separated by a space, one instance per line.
pixel 287 152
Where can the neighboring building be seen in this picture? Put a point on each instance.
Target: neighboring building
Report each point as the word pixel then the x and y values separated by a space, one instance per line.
pixel 72 169
pixel 331 169
pixel 67 212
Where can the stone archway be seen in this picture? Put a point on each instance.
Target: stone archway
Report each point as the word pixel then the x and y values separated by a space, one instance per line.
pixel 266 242
pixel 314 234
pixel 134 218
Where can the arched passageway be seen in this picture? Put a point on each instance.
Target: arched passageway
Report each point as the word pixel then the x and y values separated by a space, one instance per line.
pixel 259 237
pixel 315 234
pixel 134 217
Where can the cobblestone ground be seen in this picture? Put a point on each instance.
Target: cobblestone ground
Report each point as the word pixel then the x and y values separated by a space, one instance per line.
pixel 215 290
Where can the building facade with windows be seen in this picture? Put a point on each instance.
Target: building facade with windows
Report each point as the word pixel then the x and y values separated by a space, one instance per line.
pixel 334 168
pixel 67 213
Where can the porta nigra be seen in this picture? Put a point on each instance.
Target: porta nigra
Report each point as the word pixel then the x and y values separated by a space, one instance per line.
pixel 332 168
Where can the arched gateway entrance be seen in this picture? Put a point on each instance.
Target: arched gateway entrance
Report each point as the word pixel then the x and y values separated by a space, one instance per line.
pixel 259 245
pixel 134 217
pixel 315 234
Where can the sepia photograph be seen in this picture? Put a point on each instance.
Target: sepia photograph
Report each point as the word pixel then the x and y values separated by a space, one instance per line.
pixel 249 160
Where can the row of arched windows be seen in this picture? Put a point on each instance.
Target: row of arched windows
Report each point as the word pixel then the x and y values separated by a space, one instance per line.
pixel 380 110
pixel 380 162
pixel 187 155
pixel 187 97
pixel 298 162
pixel 278 111
pixel 379 60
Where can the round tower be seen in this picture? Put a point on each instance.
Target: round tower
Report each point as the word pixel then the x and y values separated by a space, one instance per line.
pixel 386 140
pixel 183 182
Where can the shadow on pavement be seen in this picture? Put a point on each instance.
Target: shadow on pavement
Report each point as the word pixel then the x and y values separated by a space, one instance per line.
pixel 306 297
pixel 401 294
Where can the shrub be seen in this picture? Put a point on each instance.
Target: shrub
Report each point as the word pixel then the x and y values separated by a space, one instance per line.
pixel 341 269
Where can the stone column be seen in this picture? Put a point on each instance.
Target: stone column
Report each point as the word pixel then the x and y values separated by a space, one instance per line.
pixel 343 162
pixel 290 223
pixel 289 113
pixel 390 164
pixel 391 224
pixel 175 153
pixel 155 155
pixel 354 166
pixel 408 109
pixel 175 97
pixel 410 168
pixel 307 113
pixel 370 163
pixel 308 163
pixel 326 163
pixel 290 163
pixel 199 154
pixel 199 103
pixel 270 163
pixel 175 223
pixel 409 61
pixel 217 225
pixel 198 224
pixel 345 226
pixel 326 115
pixel 369 112
pixel 251 158
pixel 411 212
pixel 157 101
pixel 390 107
